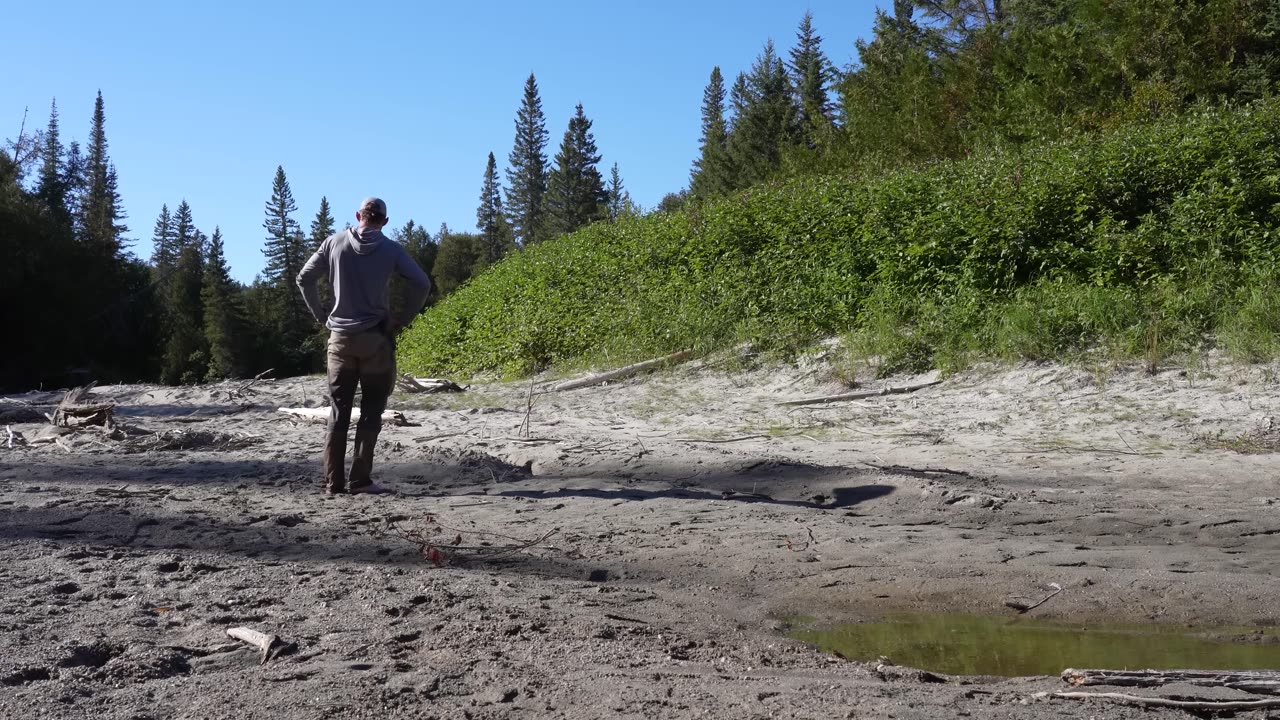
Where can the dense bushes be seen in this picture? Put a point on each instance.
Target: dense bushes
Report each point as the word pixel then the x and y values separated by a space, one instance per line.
pixel 1150 238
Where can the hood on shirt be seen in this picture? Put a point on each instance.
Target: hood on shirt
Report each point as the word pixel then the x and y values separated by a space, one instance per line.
pixel 365 240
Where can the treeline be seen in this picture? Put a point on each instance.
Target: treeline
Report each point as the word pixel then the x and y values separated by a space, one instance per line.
pixel 93 309
pixel 944 79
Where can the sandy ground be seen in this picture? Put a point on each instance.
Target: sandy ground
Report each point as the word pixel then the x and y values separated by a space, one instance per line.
pixel 686 517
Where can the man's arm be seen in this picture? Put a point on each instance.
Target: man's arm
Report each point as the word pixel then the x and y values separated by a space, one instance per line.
pixel 420 288
pixel 316 268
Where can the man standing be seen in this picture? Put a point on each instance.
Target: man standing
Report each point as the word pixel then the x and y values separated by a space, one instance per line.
pixel 358 263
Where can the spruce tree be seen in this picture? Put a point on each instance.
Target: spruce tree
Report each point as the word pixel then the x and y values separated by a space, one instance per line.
pixel 74 182
pixel 575 192
pixel 51 186
pixel 711 172
pixel 495 235
pixel 418 243
pixel 764 119
pixel 619 200
pixel 285 251
pixel 322 226
pixel 185 358
pixel 165 251
pixel 527 174
pixel 184 229
pixel 225 326
pixel 100 210
pixel 811 71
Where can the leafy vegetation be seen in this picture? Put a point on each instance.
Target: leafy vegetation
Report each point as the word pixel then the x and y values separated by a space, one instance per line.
pixel 1149 239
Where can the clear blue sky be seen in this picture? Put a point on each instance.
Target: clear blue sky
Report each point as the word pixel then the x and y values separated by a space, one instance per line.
pixel 399 99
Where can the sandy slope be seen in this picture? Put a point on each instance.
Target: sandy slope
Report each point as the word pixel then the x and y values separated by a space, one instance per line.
pixel 673 561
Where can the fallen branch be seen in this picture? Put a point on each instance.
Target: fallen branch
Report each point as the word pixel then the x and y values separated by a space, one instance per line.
pixel 427 385
pixel 922 471
pixel 393 417
pixel 726 440
pixel 267 643
pixel 1140 701
pixel 240 391
pixel 1024 608
pixel 1261 682
pixel 1085 448
pixel 622 372
pixel 860 395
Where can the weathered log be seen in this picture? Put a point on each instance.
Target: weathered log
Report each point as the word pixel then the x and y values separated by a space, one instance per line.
pixel 1141 701
pixel 1261 682
pixel 622 372
pixel 860 395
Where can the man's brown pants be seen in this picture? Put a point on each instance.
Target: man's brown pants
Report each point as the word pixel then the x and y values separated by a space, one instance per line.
pixel 367 358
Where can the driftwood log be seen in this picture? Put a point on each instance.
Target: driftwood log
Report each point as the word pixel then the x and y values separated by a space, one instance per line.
pixel 75 410
pixel 1261 682
pixel 427 385
pixel 622 372
pixel 1143 701
pixel 860 395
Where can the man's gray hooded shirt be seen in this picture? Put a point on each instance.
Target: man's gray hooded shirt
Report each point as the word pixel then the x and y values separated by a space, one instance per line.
pixel 359 262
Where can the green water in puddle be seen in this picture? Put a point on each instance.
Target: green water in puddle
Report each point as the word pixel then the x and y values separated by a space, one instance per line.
pixel 972 645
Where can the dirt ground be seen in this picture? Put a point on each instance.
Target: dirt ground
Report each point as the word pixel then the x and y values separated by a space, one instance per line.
pixel 631 550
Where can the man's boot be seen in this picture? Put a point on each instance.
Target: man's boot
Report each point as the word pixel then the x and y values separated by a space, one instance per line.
pixel 362 463
pixel 335 458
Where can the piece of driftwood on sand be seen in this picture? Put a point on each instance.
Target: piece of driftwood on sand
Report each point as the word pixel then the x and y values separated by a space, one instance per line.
pixel 427 385
pixel 860 395
pixel 76 410
pixel 321 414
pixel 622 372
pixel 270 645
pixel 1260 682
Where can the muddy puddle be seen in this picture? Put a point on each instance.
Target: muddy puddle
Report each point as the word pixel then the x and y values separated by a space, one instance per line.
pixel 1004 646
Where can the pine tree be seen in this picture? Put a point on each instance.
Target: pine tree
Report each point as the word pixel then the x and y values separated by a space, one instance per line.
pixel 764 119
pixel 322 226
pixel 225 326
pixel 51 186
pixel 527 176
pixel 100 210
pixel 619 200
pixel 575 192
pixel 495 234
pixel 285 251
pixel 811 71
pixel 711 172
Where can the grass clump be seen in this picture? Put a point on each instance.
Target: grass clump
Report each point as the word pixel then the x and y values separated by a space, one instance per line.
pixel 1146 242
